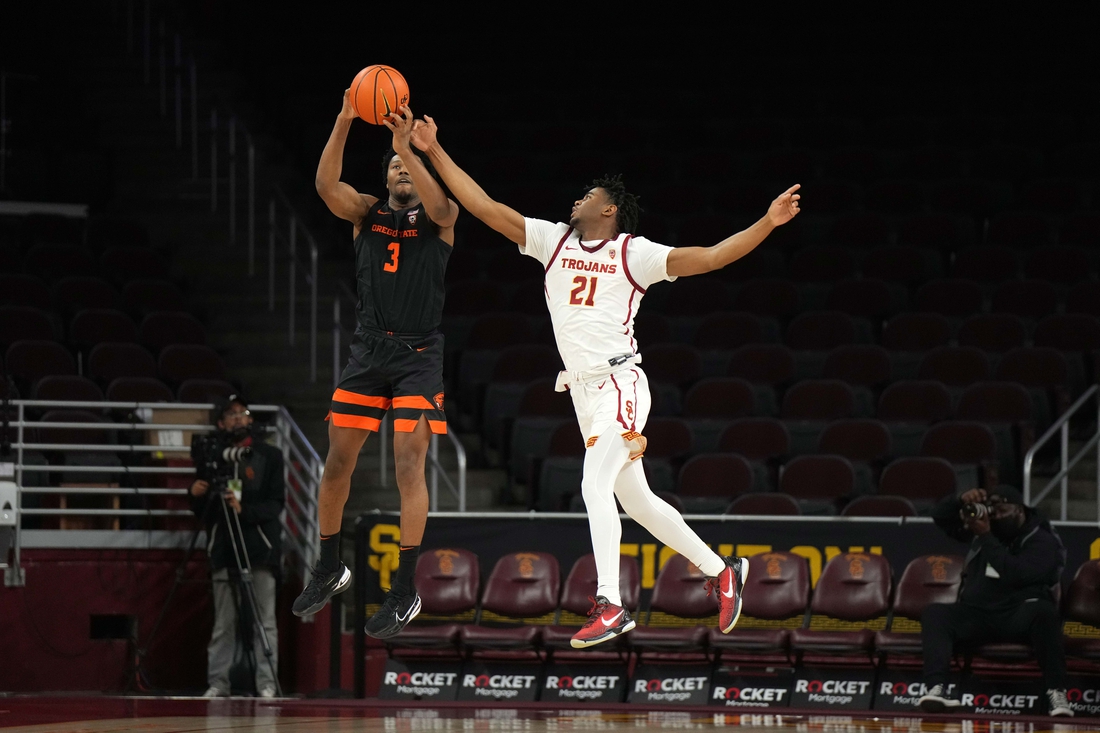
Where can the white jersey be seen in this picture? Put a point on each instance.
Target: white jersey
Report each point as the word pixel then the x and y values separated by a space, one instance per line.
pixel 593 289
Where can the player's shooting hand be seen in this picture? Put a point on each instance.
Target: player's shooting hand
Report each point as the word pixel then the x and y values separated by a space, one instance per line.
pixel 231 499
pixel 423 133
pixel 974 496
pixel 199 488
pixel 784 208
pixel 401 124
pixel 347 112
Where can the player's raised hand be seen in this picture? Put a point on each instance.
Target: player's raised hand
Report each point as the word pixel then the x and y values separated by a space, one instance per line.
pixel 784 208
pixel 347 112
pixel 401 124
pixel 423 133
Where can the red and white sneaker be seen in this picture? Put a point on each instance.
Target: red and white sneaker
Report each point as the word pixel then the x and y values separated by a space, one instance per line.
pixel 605 621
pixel 728 586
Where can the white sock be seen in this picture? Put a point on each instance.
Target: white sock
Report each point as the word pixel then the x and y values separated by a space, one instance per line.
pixel 602 463
pixel 662 521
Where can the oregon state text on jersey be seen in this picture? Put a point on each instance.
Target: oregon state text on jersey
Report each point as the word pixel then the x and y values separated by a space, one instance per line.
pixel 593 289
pixel 400 262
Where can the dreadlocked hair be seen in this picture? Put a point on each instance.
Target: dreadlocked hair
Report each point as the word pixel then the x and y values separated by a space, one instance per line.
pixel 388 156
pixel 626 218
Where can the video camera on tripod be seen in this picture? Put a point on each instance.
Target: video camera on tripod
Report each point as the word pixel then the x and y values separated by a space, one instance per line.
pixel 217 458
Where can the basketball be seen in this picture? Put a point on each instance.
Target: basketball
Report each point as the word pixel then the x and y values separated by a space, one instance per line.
pixel 377 91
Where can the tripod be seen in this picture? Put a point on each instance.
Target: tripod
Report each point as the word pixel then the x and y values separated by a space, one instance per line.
pixel 244 573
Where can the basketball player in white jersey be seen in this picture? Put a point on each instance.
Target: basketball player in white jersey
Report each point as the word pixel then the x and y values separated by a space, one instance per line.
pixel 596 274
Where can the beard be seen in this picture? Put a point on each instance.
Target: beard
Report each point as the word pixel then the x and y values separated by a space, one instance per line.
pixel 403 195
pixel 1005 529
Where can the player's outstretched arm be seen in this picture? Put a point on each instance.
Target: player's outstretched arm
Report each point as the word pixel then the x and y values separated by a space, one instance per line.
pixel 503 219
pixel 439 208
pixel 697 260
pixel 341 199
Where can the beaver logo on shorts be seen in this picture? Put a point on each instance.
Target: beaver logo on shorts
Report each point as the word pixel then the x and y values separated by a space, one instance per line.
pixel 438 400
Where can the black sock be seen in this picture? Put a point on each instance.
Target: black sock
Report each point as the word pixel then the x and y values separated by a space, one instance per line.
pixel 406 569
pixel 330 553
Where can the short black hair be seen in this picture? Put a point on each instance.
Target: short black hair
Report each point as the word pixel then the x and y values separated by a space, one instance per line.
pixel 626 218
pixel 419 153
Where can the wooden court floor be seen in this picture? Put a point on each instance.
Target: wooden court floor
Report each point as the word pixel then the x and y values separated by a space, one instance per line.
pixel 45 714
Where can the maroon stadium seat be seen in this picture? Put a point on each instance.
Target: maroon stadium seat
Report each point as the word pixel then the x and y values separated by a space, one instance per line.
pixel 869 298
pixel 985 264
pixel 818 399
pixel 73 436
pixel 962 442
pixel 820 331
pixel 539 398
pixel 955 366
pixel 1025 298
pixel 954 298
pixel 202 391
pixel 52 262
pixel 164 328
pixel 914 401
pixel 22 323
pixel 708 482
pixel 77 292
pixel 96 326
pixel 822 264
pixel 679 595
pixel 1082 612
pixel 756 438
pixel 68 388
pixel 526 363
pixel 1067 332
pixel 771 364
pixel 499 331
pixel 853 587
pixel 123 264
pixel 926 579
pixel 868 231
pixel 761 504
pixel 726 331
pixel 138 389
pixel 29 361
pixel 1005 402
pixel 447 580
pixel 856 439
pixel 1018 230
pixel 719 397
pixel 768 297
pixel 576 601
pixel 916 332
pixel 918 479
pixel 818 480
pixel 668 437
pixel 144 296
pixel 108 362
pixel 671 363
pixel 896 263
pixel 649 328
pixel 879 506
pixel 24 290
pixel 696 297
pixel 864 365
pixel 1063 264
pixel 181 361
pixel 522 593
pixel 993 332
pixel 1041 367
pixel 776 595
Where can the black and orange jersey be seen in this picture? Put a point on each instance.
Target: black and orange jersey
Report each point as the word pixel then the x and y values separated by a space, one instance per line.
pixel 400 262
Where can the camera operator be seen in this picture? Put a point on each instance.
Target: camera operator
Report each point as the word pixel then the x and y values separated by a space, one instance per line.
pixel 1014 562
pixel 260 502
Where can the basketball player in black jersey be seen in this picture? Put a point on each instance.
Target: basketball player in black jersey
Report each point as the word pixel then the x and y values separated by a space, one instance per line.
pixel 402 244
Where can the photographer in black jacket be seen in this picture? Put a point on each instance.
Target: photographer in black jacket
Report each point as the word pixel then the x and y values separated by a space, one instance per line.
pixel 1015 560
pixel 261 501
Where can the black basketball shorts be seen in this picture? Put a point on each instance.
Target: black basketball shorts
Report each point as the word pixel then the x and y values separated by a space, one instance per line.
pixel 388 371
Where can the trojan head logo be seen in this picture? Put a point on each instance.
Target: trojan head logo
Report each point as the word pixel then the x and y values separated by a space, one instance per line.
pixel 438 400
pixel 527 562
pixel 773 564
pixel 939 565
pixel 855 564
pixel 446 561
pixel 628 408
pixel 611 253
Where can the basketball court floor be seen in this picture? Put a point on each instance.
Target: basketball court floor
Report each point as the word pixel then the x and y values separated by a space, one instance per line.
pixel 47 714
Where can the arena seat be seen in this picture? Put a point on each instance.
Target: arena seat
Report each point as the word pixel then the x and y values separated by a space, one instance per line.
pixel 818 481
pixel 860 365
pixel 697 297
pixel 916 332
pixel 849 605
pixel 1081 228
pixel 864 230
pixel 649 328
pixel 921 480
pixel 726 331
pixel 24 290
pixel 77 292
pixel 520 597
pixel 95 326
pixel 51 262
pixel 447 580
pixel 671 363
pixel 767 364
pixel 109 361
pixel 860 439
pixel 820 331
pixel 914 401
pixel 955 366
pixel 719 398
pixel 1062 264
pixel 1028 299
pixel 951 297
pixel 29 361
pixel 763 504
pixel 984 263
pixel 1084 298
pixel 708 482
pixel 576 601
pixel 822 264
pixel 123 264
pixel 1018 230
pixel 197 391
pixel 163 328
pixel 756 438
pixel 993 332
pixel 679 611
pixel 180 362
pixel 1081 610
pixel 144 296
pixel 1000 402
pixel 945 233
pixel 772 297
pixel 909 266
pixel 895 197
pixel 138 389
pixel 1067 332
pixel 67 387
pixel 818 399
pixel 926 579
pixel 776 596
pixel 868 298
pixel 964 444
pixel 22 323
pixel 879 506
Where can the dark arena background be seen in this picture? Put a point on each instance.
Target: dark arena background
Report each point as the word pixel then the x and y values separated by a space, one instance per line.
pixel 928 324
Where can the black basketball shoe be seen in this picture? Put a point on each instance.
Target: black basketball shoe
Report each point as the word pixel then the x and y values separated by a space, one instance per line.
pixel 396 612
pixel 322 586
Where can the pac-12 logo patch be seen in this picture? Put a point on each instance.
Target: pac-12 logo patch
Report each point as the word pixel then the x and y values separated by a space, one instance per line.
pixel 438 400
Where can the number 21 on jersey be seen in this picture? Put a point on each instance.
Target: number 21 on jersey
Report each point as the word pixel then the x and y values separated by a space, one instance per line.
pixel 577 297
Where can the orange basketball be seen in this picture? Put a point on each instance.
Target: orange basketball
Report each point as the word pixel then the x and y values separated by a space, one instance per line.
pixel 377 91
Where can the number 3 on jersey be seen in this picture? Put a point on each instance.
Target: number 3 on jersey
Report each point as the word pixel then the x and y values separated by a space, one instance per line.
pixel 576 297
pixel 391 266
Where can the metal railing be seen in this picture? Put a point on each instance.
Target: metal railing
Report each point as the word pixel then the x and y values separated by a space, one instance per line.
pixel 1061 427
pixel 302 470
